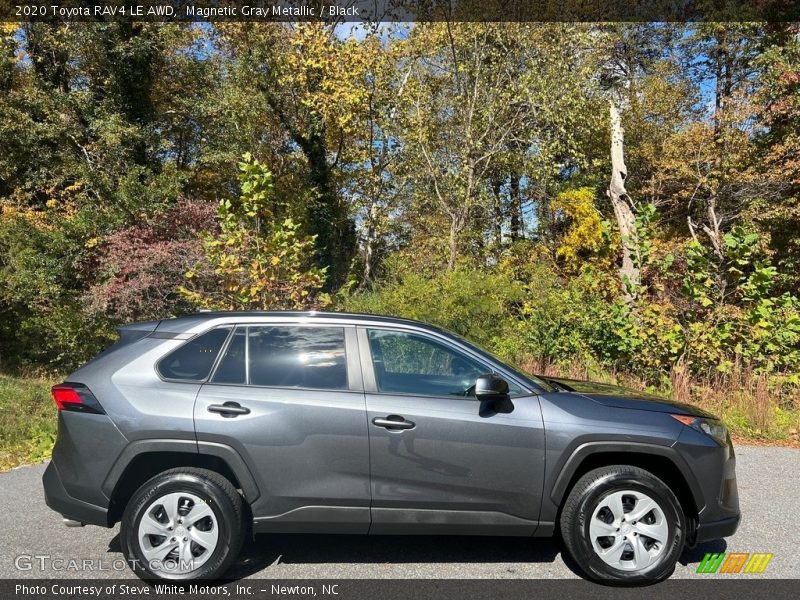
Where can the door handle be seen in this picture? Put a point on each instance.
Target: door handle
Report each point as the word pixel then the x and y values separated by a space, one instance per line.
pixel 393 423
pixel 229 409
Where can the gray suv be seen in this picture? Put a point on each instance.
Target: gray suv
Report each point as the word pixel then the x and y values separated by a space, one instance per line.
pixel 193 431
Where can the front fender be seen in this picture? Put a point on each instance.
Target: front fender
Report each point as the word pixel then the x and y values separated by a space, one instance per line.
pixel 573 461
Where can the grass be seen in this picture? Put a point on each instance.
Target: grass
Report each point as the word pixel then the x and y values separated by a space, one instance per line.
pixel 27 420
pixel 754 407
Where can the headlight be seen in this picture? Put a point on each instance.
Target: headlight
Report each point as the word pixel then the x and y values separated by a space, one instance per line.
pixel 711 427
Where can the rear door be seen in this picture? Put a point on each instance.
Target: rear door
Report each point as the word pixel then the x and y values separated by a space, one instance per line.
pixel 289 400
pixel 440 461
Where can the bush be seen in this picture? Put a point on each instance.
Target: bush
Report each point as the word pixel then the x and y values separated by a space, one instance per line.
pixel 41 318
pixel 556 322
pixel 141 267
pixel 471 302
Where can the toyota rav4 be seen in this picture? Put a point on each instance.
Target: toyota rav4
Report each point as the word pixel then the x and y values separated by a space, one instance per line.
pixel 192 432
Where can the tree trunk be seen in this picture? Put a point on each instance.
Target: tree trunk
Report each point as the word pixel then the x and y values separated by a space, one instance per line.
pixel 515 208
pixel 723 91
pixel 497 215
pixel 329 221
pixel 328 217
pixel 623 210
pixel 369 245
pixel 457 222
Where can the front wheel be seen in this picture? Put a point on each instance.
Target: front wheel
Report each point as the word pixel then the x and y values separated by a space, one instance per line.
pixel 183 524
pixel 623 524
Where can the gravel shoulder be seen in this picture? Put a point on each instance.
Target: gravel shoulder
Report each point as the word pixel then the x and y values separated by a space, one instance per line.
pixel 769 490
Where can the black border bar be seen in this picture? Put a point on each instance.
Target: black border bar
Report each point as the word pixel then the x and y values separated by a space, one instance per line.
pixel 399 11
pixel 708 587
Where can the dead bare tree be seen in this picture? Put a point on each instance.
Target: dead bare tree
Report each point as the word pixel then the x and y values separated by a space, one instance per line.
pixel 623 207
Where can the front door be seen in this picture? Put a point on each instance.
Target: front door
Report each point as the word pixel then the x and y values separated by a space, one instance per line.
pixel 289 400
pixel 440 462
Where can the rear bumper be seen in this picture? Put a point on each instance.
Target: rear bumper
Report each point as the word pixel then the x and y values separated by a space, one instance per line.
pixel 60 501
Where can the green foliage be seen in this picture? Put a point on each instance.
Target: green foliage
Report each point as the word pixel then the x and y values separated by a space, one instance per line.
pixel 734 314
pixel 646 231
pixel 255 261
pixel 42 322
pixel 557 317
pixel 468 301
pixel 455 173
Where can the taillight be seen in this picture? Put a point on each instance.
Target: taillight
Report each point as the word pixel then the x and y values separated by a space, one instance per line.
pixel 76 397
pixel 63 395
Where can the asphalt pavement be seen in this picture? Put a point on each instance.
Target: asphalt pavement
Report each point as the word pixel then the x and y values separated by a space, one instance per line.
pixel 35 544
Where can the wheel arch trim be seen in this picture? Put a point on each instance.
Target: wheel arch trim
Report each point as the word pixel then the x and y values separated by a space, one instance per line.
pixel 190 447
pixel 585 450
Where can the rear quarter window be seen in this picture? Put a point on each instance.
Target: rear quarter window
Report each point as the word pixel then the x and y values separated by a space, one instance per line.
pixel 193 360
pixel 231 369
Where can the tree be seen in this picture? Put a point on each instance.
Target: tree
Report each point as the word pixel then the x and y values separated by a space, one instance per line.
pixel 458 151
pixel 778 144
pixel 629 271
pixel 7 55
pixel 255 262
pixel 583 234
pixel 373 183
pixel 314 84
pixel 728 51
pixel 635 62
pixel 463 106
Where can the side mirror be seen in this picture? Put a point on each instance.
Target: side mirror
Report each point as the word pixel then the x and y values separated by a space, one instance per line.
pixel 492 391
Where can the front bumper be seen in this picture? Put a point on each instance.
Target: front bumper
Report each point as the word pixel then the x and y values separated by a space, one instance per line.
pixel 60 501
pixel 714 468
pixel 717 529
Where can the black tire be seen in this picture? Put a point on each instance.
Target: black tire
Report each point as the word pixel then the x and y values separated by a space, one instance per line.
pixel 588 493
pixel 209 486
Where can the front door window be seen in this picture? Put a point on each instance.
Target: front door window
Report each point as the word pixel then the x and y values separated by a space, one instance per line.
pixel 406 363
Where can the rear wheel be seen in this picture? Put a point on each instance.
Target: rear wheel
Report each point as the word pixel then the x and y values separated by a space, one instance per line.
pixel 183 524
pixel 622 523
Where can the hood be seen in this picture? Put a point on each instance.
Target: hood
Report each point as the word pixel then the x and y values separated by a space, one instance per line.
pixel 620 397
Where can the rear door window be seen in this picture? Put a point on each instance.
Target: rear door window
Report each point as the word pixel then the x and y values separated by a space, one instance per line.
pixel 193 360
pixel 297 357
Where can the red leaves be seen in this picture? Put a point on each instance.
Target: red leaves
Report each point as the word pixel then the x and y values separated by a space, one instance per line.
pixel 141 266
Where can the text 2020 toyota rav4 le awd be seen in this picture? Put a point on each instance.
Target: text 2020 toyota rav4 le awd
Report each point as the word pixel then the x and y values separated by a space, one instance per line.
pixel 193 431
